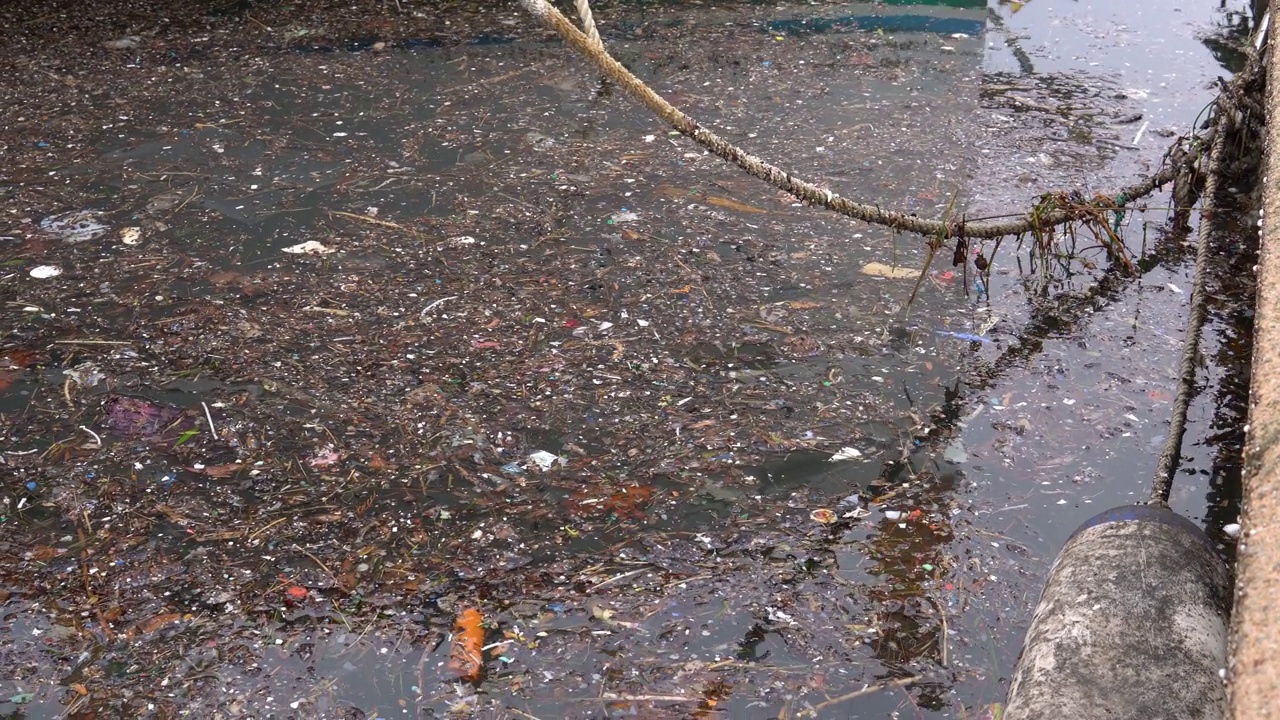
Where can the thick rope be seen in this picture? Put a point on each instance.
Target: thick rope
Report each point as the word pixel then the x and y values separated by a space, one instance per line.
pixel 1168 462
pixel 806 191
pixel 589 24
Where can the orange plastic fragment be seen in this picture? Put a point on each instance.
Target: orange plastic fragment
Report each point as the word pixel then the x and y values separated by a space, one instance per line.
pixel 466 659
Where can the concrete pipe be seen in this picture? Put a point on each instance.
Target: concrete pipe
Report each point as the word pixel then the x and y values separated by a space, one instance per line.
pixel 1132 625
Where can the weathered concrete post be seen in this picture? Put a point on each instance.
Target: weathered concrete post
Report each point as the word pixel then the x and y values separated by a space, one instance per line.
pixel 1254 669
pixel 1132 624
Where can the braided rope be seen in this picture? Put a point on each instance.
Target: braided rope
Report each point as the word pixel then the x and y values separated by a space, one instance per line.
pixel 589 24
pixel 594 51
pixel 1167 465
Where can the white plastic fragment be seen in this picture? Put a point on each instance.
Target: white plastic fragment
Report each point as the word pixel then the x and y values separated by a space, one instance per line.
pixel 131 235
pixel 42 272
pixel 76 226
pixel 892 514
pixel 310 247
pixel 955 452
pixel 545 460
pixel 86 375
pixel 1231 530
pixel 128 42
pixel 845 453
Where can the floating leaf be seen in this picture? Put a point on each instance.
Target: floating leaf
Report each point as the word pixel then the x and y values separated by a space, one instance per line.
pixel 732 204
pixel 876 269
pixel 137 417
pixel 218 471
pixel 156 622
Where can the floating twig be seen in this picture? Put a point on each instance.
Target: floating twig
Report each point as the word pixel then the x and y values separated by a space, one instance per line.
pixel 870 690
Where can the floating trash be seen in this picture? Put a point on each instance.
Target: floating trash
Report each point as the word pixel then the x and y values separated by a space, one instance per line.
pixel 968 337
pixel 77 226
pixel 876 269
pixel 1231 530
pixel 955 452
pixel 137 417
pixel 310 247
pixel 822 515
pixel 131 235
pixel 846 453
pixel 545 460
pixel 128 42
pixel 42 272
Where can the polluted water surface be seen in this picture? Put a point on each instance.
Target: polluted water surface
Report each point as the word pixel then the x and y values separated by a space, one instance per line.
pixel 399 365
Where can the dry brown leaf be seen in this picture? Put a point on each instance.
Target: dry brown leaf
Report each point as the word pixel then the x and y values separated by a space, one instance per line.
pixel 153 624
pixel 219 471
pixel 732 204
pixel 876 269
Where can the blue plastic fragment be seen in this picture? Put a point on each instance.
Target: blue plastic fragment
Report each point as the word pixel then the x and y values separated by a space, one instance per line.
pixel 971 337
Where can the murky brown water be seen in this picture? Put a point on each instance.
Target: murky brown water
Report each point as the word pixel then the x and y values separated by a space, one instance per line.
pixel 769 488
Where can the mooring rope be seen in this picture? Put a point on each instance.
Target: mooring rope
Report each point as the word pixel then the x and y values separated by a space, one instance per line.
pixel 591 47
pixel 589 24
pixel 1167 465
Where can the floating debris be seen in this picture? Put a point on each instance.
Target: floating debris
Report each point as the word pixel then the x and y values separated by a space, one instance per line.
pixel 310 247
pixel 77 226
pixel 845 453
pixel 876 269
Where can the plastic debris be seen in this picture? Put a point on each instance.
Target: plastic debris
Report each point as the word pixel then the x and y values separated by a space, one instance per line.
pixel 545 460
pixel 128 42
pixel 324 457
pixel 955 452
pixel 131 235
pixel 968 337
pixel 845 453
pixel 1231 530
pixel 86 375
pixel 466 655
pixel 77 226
pixel 138 417
pixel 623 216
pixel 822 515
pixel 310 247
pixel 43 272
